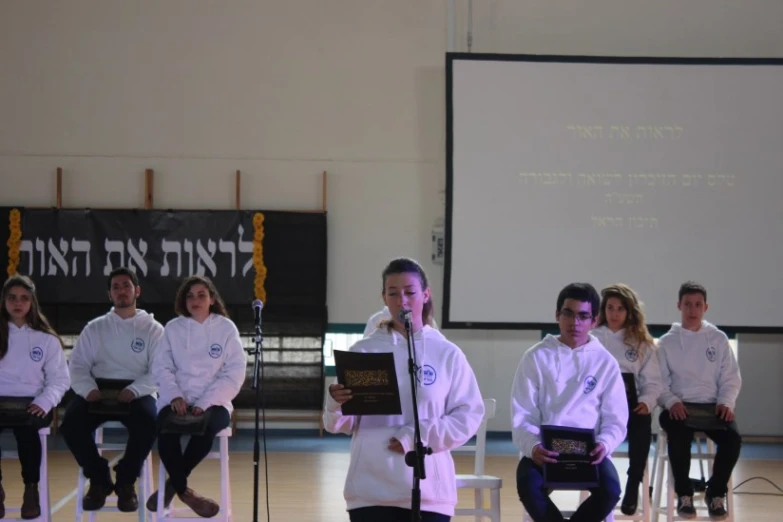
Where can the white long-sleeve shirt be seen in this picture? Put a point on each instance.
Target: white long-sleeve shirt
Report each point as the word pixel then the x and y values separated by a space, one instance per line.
pixel 450 412
pixel 698 367
pixel 34 366
pixel 111 347
pixel 204 363
pixel 578 388
pixel 646 370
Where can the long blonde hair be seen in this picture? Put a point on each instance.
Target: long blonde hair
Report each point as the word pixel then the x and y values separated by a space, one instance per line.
pixel 636 334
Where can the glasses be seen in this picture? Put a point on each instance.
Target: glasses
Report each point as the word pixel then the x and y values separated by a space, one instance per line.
pixel 581 316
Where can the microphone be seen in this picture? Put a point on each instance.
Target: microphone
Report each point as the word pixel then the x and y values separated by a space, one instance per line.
pixel 404 316
pixel 257 306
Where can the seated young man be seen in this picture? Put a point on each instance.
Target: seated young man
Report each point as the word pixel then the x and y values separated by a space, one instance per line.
pixel 698 366
pixel 569 380
pixel 118 345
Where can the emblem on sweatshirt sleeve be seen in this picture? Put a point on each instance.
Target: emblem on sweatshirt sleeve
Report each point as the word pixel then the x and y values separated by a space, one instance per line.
pixel 137 345
pixel 215 351
pixel 590 383
pixel 36 354
pixel 427 375
pixel 711 354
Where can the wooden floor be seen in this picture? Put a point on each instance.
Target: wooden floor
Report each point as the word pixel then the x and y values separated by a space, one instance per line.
pixel 307 487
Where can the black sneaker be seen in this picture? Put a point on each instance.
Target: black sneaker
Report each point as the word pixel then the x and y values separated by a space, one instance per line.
pixel 685 507
pixel 127 499
pixel 716 507
pixel 95 498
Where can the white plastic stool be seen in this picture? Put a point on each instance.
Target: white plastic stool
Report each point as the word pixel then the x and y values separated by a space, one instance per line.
pixel 145 480
pixel 43 486
pixel 645 515
pixel 163 514
pixel 663 466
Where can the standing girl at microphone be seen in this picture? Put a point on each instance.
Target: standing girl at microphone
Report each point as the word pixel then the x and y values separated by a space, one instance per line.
pixel 378 485
pixel 32 364
pixel 199 366
pixel 622 331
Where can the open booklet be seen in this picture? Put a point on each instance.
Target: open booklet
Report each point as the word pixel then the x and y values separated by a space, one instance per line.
pixel 372 379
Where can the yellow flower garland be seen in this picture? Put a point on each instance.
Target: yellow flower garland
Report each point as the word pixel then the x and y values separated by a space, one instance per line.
pixel 14 240
pixel 258 256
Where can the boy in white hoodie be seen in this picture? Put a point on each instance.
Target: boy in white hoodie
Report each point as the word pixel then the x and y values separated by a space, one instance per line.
pixel 698 366
pixel 118 345
pixel 378 485
pixel 569 380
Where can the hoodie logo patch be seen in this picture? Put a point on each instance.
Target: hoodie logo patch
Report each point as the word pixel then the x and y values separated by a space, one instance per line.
pixel 137 345
pixel 590 383
pixel 427 375
pixel 36 354
pixel 215 351
pixel 631 355
pixel 711 354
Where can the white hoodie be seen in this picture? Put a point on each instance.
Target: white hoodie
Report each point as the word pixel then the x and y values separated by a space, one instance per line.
pixel 111 347
pixel 698 367
pixel 450 412
pixel 204 363
pixel 577 388
pixel 34 366
pixel 646 371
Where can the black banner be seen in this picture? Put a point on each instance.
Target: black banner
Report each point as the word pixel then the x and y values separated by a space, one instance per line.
pixel 69 253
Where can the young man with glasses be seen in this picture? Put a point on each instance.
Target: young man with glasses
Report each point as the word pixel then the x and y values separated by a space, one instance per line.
pixel 569 380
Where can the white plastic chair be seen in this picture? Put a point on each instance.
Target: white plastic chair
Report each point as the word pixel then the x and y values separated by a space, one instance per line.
pixel 145 480
pixel 478 481
pixel 43 486
pixel 663 466
pixel 164 514
pixel 645 514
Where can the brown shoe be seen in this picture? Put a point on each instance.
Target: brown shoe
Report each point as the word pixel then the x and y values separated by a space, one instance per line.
pixel 31 508
pixel 2 501
pixel 127 499
pixel 95 498
pixel 168 496
pixel 201 506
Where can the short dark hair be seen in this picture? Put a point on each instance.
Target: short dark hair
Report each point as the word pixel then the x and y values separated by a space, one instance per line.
pixel 126 272
pixel 692 287
pixel 584 292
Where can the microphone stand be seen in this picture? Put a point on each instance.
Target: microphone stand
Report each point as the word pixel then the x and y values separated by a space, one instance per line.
pixel 257 386
pixel 415 458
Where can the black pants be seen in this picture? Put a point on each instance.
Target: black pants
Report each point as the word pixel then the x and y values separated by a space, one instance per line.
pixel 535 497
pixel 639 435
pixel 392 514
pixel 28 446
pixel 727 453
pixel 179 465
pixel 78 429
